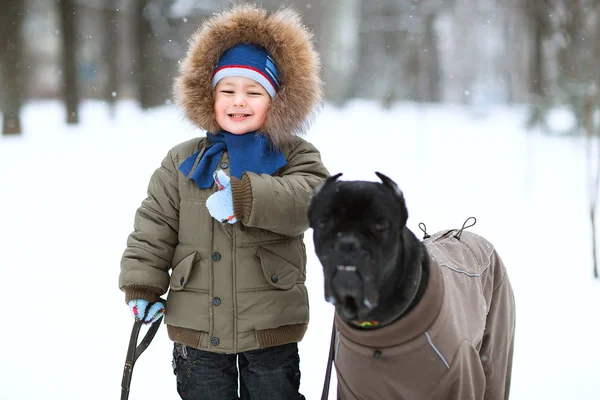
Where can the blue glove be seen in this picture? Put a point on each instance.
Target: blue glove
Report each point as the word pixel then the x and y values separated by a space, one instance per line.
pixel 138 309
pixel 220 203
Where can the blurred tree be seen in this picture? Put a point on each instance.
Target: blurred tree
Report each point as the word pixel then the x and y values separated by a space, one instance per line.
pixel 394 37
pixel 430 77
pixel 11 20
pixel 427 52
pixel 381 63
pixel 591 128
pixel 516 51
pixel 399 51
pixel 591 124
pixel 111 39
pixel 538 12
pixel 577 23
pixel 142 64
pixel 67 12
pixel 575 55
pixel 339 47
pixel 155 62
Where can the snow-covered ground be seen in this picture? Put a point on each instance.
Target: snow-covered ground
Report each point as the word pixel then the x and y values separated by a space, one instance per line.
pixel 68 196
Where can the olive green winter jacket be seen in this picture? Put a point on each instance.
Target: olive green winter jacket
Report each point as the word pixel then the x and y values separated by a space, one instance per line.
pixel 235 287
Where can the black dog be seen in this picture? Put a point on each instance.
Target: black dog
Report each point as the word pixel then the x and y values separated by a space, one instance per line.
pixel 431 319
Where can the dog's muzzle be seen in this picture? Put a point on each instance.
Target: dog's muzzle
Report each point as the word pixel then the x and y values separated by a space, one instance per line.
pixel 353 294
pixel 350 286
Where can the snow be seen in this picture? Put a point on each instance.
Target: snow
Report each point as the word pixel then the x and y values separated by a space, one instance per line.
pixel 69 195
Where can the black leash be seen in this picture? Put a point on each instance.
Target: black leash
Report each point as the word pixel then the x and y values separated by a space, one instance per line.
pixel 325 393
pixel 134 352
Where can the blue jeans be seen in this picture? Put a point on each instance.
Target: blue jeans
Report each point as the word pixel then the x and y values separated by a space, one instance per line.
pixel 266 374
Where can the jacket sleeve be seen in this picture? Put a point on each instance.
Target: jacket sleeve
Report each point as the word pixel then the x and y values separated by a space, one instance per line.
pixel 496 351
pixel 279 203
pixel 147 259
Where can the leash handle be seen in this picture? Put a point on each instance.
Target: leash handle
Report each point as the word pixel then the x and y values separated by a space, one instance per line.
pixel 325 393
pixel 134 350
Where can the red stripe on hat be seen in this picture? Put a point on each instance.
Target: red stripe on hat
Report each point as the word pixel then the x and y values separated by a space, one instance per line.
pixel 250 68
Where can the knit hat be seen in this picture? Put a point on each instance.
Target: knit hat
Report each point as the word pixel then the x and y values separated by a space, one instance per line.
pixel 250 61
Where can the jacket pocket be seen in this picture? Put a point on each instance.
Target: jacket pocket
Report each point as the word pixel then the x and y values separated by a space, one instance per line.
pixel 278 271
pixel 181 272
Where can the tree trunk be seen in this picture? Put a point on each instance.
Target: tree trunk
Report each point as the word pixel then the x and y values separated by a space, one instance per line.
pixel 572 67
pixel 143 61
pixel 398 59
pixel 340 43
pixel 592 131
pixel 593 180
pixel 407 48
pixel 11 19
pixel 430 79
pixel 537 72
pixel 111 39
pixel 69 69
pixel 507 30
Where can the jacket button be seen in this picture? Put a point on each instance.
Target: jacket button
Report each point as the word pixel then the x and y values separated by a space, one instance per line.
pixel 274 278
pixel 182 280
pixel 216 256
pixel 224 165
pixel 214 341
pixel 377 354
pixel 216 301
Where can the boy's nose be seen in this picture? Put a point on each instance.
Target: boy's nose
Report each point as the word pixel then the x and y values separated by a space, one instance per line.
pixel 239 100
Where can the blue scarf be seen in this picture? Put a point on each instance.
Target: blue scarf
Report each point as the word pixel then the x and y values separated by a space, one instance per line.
pixel 248 152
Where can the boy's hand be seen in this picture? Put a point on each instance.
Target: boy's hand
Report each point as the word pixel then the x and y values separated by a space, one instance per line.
pixel 138 309
pixel 220 204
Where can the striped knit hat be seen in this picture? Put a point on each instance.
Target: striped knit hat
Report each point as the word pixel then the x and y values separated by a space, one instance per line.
pixel 250 61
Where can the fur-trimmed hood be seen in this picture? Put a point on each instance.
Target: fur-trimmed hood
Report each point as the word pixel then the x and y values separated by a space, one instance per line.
pixel 290 45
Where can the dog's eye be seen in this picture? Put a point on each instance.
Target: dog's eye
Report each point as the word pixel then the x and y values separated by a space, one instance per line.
pixel 323 223
pixel 381 226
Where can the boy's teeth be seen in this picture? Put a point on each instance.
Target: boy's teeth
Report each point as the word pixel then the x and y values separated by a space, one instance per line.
pixel 238 115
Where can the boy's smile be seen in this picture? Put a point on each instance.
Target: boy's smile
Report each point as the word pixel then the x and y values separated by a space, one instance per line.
pixel 241 104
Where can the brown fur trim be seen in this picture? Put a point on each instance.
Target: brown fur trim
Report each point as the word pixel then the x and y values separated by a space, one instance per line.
pixel 289 43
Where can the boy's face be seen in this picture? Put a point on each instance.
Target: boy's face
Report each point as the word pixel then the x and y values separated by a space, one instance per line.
pixel 241 104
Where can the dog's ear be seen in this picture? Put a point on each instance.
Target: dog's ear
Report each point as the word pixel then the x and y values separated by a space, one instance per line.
pixel 320 187
pixel 323 184
pixel 397 192
pixel 391 184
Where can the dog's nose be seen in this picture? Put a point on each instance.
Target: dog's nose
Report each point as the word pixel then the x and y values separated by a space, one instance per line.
pixel 347 244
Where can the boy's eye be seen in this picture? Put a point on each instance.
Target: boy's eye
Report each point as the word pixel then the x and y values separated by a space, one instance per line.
pixel 255 93
pixel 227 91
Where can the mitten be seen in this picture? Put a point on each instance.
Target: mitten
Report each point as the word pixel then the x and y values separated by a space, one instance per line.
pixel 138 309
pixel 220 203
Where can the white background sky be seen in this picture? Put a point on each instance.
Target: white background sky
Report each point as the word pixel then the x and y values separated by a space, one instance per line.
pixel 69 194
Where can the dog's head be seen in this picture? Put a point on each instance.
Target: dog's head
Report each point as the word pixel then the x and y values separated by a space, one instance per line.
pixel 357 229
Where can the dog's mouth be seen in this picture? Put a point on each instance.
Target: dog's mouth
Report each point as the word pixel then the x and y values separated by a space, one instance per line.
pixel 350 293
pixel 348 308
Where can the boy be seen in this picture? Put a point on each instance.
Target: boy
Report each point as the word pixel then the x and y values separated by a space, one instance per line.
pixel 225 214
